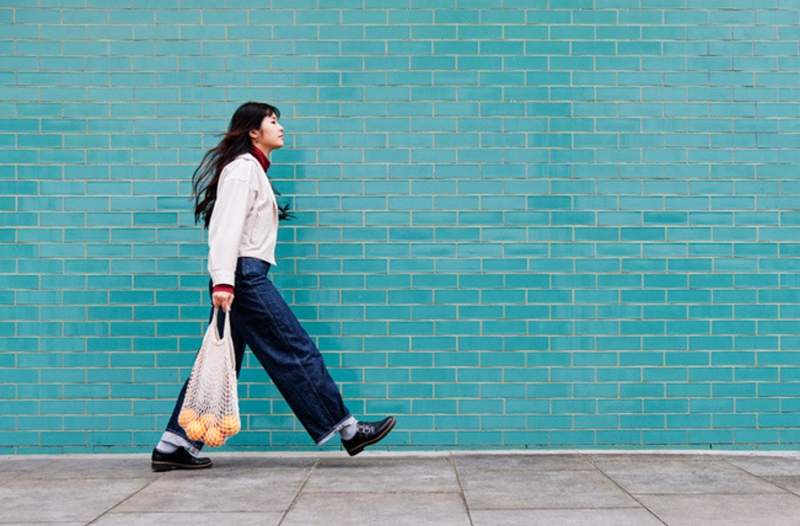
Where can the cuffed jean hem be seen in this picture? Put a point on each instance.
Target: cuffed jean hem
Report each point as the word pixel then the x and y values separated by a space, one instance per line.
pixel 344 423
pixel 178 440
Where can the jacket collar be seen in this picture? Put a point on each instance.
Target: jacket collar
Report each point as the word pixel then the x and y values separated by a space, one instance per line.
pixel 249 157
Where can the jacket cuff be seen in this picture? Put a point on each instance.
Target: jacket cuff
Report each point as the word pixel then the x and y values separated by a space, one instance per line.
pixel 222 287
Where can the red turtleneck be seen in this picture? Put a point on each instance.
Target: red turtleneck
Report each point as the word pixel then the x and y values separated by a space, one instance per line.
pixel 262 158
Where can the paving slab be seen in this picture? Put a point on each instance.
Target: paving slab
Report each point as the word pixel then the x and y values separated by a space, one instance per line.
pixel 190 519
pixel 727 510
pixel 66 467
pixel 64 499
pixel 391 509
pixel 251 490
pixel 383 475
pixel 566 517
pixel 473 463
pixel 767 466
pixel 518 489
pixel 653 474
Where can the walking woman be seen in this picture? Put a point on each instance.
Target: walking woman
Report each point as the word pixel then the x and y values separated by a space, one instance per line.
pixel 241 213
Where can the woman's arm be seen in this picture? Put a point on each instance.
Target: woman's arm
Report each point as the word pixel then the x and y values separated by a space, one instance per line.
pixel 227 223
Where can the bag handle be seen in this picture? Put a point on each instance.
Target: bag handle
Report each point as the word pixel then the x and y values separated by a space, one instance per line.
pixel 227 328
pixel 218 340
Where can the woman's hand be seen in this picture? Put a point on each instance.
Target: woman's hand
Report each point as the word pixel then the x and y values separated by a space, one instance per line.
pixel 223 299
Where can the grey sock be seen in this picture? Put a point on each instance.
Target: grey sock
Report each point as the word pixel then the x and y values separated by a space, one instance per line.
pixel 349 430
pixel 173 441
pixel 166 447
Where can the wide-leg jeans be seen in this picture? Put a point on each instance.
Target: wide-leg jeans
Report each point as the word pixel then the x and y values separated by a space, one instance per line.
pixel 262 319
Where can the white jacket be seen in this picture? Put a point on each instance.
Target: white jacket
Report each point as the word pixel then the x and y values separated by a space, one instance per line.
pixel 244 221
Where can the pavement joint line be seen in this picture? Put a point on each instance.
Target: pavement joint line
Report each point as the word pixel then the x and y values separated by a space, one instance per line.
pixel 460 489
pixel 297 495
pixel 761 477
pixel 628 493
pixel 109 510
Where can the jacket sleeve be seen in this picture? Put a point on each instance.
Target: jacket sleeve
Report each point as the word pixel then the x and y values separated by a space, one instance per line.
pixel 227 223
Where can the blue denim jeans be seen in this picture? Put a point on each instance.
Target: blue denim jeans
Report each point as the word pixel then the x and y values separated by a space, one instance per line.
pixel 261 319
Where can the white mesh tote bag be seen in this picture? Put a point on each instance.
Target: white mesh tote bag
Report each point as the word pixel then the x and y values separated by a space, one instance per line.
pixel 210 411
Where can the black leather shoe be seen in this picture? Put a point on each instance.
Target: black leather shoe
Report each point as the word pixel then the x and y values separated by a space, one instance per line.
pixel 368 433
pixel 178 459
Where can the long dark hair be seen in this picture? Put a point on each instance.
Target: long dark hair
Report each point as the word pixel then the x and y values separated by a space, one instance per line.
pixel 235 142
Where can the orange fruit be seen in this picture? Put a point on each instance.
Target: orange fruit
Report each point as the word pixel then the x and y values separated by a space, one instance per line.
pixel 208 420
pixel 185 416
pixel 213 437
pixel 195 430
pixel 230 425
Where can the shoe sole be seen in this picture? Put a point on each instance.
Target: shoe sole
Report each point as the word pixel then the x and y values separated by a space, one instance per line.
pixel 168 466
pixel 385 432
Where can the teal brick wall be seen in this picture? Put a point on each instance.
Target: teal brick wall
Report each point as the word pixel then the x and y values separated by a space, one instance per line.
pixel 521 223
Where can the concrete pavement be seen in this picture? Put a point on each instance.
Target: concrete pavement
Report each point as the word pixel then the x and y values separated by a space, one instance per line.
pixel 491 488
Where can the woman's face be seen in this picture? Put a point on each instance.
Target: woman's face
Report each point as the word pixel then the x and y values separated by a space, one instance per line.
pixel 270 136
